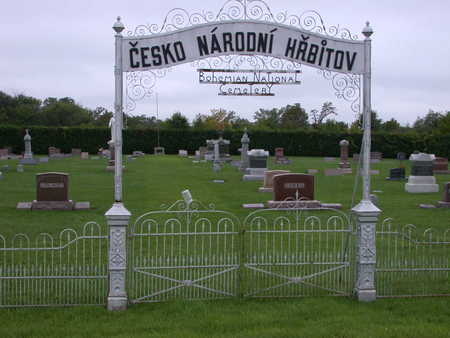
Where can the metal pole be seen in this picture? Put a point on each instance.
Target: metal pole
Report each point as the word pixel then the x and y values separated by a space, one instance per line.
pixel 118 216
pixel 367 111
pixel 157 118
pixel 366 212
pixel 118 111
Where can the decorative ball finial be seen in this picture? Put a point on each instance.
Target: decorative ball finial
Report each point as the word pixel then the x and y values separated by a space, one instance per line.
pixel 367 30
pixel 118 26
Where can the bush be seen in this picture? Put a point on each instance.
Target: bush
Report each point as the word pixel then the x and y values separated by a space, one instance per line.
pixel 295 143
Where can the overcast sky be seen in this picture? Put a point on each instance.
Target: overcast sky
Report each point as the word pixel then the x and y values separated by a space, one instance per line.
pixel 58 48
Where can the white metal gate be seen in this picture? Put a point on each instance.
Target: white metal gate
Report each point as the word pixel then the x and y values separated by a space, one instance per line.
pixel 188 253
pixel 199 253
pixel 292 252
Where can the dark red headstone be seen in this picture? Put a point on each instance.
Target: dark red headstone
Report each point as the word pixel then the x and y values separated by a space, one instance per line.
pixel 293 186
pixel 447 192
pixel 440 164
pixel 52 187
pixel 279 152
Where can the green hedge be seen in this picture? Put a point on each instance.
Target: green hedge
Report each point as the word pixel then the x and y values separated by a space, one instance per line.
pixel 295 143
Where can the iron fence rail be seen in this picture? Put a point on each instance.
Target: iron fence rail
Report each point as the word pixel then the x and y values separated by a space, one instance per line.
pixel 182 253
pixel 410 263
pixel 195 253
pixel 70 269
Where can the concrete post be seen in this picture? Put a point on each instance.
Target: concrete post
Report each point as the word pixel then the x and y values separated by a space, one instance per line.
pixel 366 256
pixel 118 217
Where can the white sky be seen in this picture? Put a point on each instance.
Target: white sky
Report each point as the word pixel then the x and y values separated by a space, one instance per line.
pixel 66 48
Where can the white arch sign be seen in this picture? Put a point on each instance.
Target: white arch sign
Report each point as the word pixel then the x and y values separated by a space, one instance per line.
pixel 242 37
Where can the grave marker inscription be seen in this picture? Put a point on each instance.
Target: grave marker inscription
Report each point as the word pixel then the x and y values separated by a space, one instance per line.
pixel 52 192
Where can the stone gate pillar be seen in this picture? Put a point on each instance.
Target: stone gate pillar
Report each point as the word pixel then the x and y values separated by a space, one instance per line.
pixel 118 217
pixel 366 214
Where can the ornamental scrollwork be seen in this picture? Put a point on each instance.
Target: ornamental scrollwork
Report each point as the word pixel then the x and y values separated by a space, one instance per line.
pixel 258 10
pixel 346 87
pixel 117 249
pixel 140 85
pixel 366 277
pixel 117 283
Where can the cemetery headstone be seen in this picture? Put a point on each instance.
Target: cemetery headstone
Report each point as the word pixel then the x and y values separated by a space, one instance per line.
pixel 344 163
pixel 279 152
pixel 159 151
pixel 4 154
pixel 112 156
pixel 52 193
pixel 334 172
pixel 280 158
pixel 445 203
pixel 371 171
pixel 293 189
pixel 84 155
pixel 28 155
pixel 401 156
pixel 202 151
pixel 253 205
pixel 224 149
pixel 209 155
pixel 245 141
pixel 293 186
pixel 182 153
pixel 76 152
pixel 51 151
pixel 440 165
pixel 268 179
pixel 138 153
pixel 257 165
pixel 54 152
pixel 421 179
pixel 375 157
pixel 396 174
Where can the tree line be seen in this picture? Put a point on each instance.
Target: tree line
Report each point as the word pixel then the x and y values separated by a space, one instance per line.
pixel 22 110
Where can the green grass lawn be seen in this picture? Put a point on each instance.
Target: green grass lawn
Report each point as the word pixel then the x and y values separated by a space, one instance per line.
pixel 307 317
pixel 152 181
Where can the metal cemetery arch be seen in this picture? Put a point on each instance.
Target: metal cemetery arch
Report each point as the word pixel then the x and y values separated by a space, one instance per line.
pixel 242 30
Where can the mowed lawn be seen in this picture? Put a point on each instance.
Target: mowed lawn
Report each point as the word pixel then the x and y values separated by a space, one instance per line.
pixel 152 181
